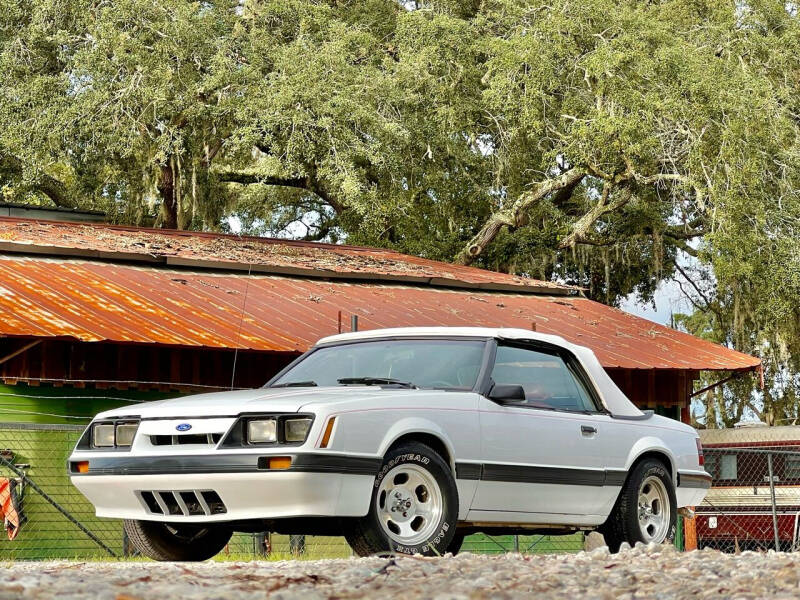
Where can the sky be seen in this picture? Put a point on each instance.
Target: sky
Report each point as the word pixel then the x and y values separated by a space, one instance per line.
pixel 668 300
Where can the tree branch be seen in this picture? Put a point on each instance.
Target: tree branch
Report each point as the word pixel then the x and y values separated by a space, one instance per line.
pixel 691 300
pixel 709 305
pixel 682 245
pixel 692 283
pixel 674 178
pixel 565 193
pixel 582 225
pixel 309 184
pixel 211 152
pixel 680 232
pixel 44 183
pixel 513 216
pixel 253 179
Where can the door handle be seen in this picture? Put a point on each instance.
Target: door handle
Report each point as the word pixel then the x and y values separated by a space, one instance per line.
pixel 588 430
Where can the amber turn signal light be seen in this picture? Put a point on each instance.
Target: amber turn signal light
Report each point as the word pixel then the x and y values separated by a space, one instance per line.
pixel 326 437
pixel 279 463
pixel 82 467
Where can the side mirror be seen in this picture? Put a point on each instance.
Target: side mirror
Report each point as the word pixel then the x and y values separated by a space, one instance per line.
pixel 503 393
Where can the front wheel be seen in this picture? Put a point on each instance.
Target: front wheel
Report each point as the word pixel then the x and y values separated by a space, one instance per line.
pixel 414 505
pixel 646 509
pixel 176 542
pixel 456 543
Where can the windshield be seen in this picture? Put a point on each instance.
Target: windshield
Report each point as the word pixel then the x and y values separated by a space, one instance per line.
pixel 421 363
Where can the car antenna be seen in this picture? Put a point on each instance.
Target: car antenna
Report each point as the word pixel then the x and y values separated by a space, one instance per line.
pixel 241 321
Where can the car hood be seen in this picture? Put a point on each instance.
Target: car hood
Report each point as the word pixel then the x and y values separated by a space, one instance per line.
pixel 221 404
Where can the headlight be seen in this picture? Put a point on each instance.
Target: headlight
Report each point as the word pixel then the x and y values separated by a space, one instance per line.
pixel 103 435
pixel 125 433
pixel 111 433
pixel 291 429
pixel 262 431
pixel 296 430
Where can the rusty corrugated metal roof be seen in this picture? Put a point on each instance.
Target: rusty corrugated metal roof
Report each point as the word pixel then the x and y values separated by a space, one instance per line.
pixel 251 254
pixel 102 301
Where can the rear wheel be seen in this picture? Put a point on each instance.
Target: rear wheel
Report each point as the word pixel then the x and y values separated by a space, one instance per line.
pixel 414 505
pixel 177 542
pixel 646 509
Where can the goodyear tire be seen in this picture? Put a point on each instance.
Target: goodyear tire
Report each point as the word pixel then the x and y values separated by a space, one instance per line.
pixel 646 510
pixel 177 542
pixel 414 505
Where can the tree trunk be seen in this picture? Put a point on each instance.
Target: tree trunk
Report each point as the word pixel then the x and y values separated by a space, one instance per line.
pixel 169 204
pixel 711 409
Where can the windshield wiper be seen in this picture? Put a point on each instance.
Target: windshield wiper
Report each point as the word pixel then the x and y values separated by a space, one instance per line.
pixel 296 384
pixel 376 381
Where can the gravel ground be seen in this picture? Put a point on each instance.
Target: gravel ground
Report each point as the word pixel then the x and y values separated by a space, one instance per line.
pixel 642 572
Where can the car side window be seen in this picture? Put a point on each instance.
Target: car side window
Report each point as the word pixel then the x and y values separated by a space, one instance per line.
pixel 547 379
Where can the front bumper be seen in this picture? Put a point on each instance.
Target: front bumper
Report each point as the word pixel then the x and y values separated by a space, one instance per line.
pixel 163 488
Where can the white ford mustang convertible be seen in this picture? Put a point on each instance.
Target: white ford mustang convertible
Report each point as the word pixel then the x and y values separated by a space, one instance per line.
pixel 401 440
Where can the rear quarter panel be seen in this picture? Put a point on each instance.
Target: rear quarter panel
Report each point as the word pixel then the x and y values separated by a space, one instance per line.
pixel 677 442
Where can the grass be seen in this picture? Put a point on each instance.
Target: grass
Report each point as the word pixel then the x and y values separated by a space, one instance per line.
pixel 241 548
pixel 527 544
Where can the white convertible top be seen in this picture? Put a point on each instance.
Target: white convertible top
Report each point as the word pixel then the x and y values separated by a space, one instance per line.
pixel 610 395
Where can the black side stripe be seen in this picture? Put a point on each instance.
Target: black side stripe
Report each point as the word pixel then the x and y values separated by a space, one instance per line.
pixel 359 465
pixel 615 477
pixel 471 471
pixel 530 474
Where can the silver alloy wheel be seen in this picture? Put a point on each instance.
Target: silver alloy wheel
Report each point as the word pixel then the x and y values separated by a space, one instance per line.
pixel 409 504
pixel 654 510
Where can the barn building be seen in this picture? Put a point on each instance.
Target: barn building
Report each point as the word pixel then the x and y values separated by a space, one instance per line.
pixel 96 316
pixel 149 313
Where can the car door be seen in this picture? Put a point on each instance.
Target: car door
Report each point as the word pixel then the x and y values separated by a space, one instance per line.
pixel 544 455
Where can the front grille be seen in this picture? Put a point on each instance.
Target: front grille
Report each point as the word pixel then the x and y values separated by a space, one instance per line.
pixel 186 503
pixel 209 439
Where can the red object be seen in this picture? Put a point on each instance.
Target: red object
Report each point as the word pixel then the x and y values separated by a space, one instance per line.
pixel 746 527
pixel 700 458
pixel 737 512
pixel 121 301
pixel 9 510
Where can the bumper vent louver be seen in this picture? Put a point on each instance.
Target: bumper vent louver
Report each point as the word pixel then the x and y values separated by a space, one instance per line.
pixel 186 503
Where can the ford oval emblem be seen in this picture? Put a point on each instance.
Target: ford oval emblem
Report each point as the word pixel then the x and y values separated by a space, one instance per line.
pixel 183 427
